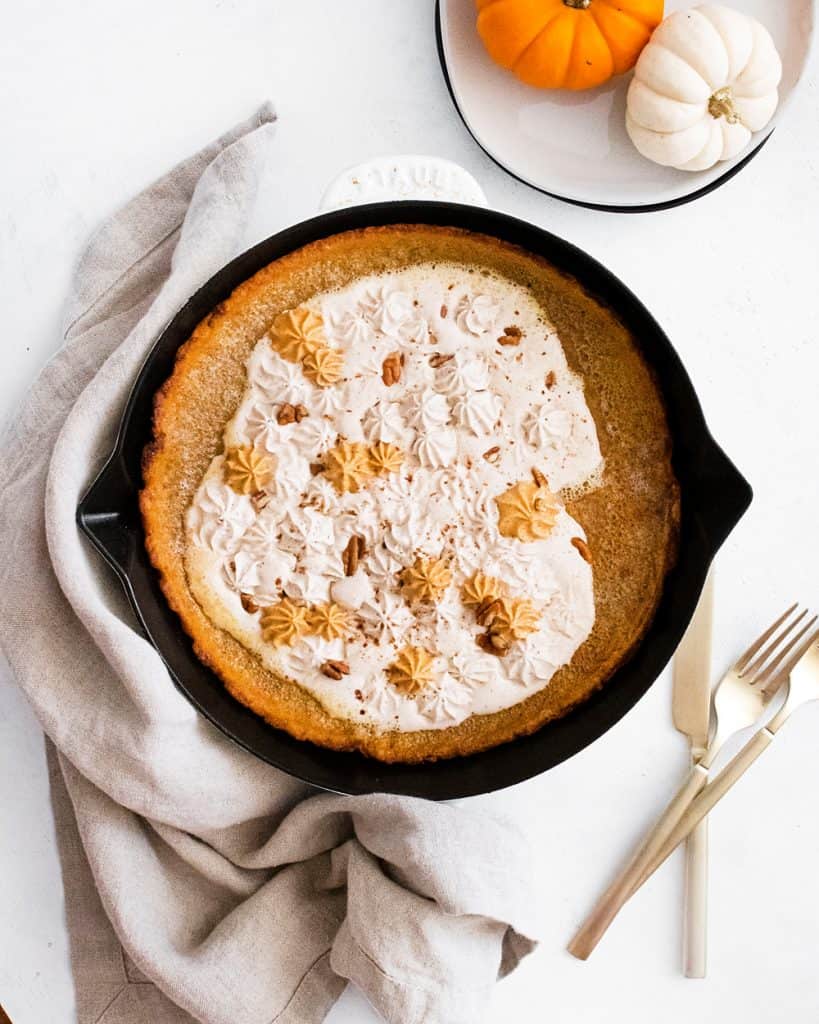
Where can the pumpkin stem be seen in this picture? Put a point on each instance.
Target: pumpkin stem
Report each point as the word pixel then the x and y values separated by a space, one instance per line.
pixel 721 104
pixel 579 5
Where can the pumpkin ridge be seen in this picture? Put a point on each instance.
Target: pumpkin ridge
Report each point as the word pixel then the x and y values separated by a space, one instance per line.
pixel 590 10
pixel 661 46
pixel 662 95
pixel 725 42
pixel 585 33
pixel 617 5
pixel 573 47
pixel 556 13
pixel 623 15
pixel 494 8
pixel 625 32
pixel 698 155
pixel 695 61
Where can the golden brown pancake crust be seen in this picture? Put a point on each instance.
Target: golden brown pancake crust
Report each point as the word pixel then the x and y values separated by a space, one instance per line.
pixel 631 520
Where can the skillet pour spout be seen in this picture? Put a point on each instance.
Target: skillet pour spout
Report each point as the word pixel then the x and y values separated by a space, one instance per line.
pixel 720 495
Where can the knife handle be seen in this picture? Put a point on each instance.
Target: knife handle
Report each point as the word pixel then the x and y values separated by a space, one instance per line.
pixel 695 921
pixel 716 789
pixel 607 907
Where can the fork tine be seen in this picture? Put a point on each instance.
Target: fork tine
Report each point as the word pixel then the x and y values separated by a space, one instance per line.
pixel 770 648
pixel 776 674
pixel 755 646
pixel 767 674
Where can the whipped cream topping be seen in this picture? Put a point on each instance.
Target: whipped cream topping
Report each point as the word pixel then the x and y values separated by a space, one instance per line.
pixel 472 416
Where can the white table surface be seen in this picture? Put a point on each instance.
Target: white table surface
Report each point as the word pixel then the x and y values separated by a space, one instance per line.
pixel 99 98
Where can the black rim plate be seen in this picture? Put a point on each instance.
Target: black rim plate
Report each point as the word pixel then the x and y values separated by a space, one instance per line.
pixel 604 207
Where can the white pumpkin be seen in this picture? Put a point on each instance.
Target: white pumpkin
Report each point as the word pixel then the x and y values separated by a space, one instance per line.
pixel 704 83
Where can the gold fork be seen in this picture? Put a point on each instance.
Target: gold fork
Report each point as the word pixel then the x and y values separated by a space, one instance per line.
pixel 739 700
pixel 802 688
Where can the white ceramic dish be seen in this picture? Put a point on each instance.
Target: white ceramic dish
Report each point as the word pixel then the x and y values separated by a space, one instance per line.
pixel 407 176
pixel 573 145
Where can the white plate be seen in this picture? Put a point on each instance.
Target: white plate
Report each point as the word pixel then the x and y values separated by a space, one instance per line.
pixel 574 145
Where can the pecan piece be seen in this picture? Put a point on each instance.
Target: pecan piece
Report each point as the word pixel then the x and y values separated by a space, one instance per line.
pixel 492 454
pixel 356 549
pixel 391 368
pixel 300 412
pixel 551 379
pixel 498 642
pixel 261 499
pixel 286 414
pixel 439 359
pixel 583 548
pixel 316 468
pixel 493 643
pixel 511 335
pixel 248 603
pixel 444 311
pixel 335 669
pixel 487 611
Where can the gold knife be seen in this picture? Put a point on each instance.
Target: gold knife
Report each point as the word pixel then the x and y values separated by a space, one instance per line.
pixel 691 710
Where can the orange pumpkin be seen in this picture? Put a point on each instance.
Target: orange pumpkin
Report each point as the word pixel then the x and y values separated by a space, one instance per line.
pixel 567 44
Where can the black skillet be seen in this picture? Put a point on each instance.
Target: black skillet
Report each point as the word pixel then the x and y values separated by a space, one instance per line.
pixel 714 497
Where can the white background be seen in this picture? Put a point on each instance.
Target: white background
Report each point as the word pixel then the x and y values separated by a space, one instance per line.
pixel 99 98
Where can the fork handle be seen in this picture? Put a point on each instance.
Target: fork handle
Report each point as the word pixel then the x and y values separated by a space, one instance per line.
pixel 710 797
pixel 607 907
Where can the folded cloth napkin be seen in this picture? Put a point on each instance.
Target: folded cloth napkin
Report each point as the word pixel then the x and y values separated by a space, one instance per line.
pixel 241 894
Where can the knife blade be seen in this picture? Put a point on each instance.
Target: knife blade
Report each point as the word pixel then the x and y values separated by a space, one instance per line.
pixel 691 693
pixel 691 711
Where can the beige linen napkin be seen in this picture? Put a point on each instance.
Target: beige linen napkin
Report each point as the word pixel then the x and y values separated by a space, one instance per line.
pixel 240 894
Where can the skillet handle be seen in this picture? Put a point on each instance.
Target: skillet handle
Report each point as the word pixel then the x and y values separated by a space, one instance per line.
pixel 720 496
pixel 389 178
pixel 107 516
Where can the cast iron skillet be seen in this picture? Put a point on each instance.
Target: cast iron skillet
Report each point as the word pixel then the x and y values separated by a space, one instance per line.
pixel 714 497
